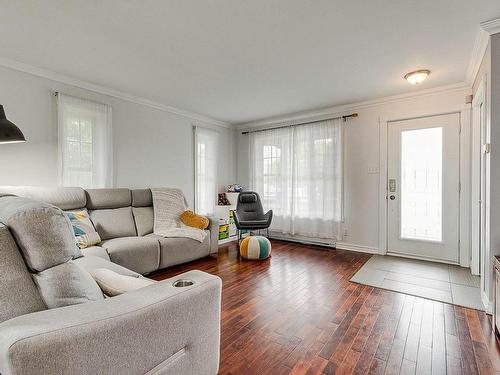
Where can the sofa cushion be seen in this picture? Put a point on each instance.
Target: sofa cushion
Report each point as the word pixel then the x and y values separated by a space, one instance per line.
pixel 66 284
pixel 180 250
pixel 18 293
pixel 108 198
pixel 144 220
pixel 113 223
pixel 140 254
pixel 113 284
pixel 142 198
pixel 85 233
pixel 42 232
pixel 97 251
pixel 66 198
pixel 91 262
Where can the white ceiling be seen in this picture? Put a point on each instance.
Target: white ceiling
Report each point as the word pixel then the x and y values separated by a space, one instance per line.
pixel 243 60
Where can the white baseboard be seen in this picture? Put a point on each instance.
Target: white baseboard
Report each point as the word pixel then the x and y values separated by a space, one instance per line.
pixel 358 248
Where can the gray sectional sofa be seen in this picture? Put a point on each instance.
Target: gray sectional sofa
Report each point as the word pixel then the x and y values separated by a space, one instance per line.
pixel 124 220
pixel 158 329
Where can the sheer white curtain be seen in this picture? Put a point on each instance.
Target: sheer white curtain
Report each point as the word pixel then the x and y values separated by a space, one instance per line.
pixel 206 152
pixel 298 172
pixel 85 143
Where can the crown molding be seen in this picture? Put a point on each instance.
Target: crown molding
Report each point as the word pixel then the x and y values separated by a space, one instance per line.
pixel 53 76
pixel 492 26
pixel 334 111
pixel 480 45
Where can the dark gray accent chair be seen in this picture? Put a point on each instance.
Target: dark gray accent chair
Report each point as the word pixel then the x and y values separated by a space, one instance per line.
pixel 249 214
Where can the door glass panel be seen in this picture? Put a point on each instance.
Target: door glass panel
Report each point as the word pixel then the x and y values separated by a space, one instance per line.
pixel 421 184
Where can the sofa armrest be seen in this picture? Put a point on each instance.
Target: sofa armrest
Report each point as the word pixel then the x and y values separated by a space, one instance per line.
pixel 213 227
pixel 159 328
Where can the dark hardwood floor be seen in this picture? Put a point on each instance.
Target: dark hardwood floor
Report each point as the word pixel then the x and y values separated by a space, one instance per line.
pixel 297 313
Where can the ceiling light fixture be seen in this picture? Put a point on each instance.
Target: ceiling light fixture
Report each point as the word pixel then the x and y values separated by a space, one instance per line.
pixel 417 76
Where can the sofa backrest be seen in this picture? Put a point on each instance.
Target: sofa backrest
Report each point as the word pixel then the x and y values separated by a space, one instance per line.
pixel 142 209
pixel 18 293
pixel 66 198
pixel 111 212
pixel 115 213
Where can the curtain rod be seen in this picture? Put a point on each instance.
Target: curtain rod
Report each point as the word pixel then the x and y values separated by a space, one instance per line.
pixel 302 123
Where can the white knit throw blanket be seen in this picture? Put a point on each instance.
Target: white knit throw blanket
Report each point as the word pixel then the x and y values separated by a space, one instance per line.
pixel 168 205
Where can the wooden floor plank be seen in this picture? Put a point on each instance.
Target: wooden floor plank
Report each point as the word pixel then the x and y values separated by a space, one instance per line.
pixel 298 313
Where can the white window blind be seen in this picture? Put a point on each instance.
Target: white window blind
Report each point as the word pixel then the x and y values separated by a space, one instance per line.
pixel 206 152
pixel 85 143
pixel 298 172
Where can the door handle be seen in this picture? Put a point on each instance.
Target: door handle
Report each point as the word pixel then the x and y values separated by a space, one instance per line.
pixel 392 197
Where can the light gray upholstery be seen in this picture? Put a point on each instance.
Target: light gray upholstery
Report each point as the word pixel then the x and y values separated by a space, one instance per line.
pixel 18 293
pixel 180 250
pixel 144 220
pixel 118 213
pixel 91 262
pixel 45 237
pixel 108 198
pixel 66 198
pixel 113 223
pixel 97 251
pixel 113 284
pixel 142 198
pixel 67 284
pixel 42 232
pixel 213 227
pixel 140 254
pixel 159 327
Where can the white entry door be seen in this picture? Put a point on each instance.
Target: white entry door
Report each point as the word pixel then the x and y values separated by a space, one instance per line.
pixel 423 189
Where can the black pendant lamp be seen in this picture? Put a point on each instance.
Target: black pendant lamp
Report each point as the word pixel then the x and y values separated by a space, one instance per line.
pixel 9 133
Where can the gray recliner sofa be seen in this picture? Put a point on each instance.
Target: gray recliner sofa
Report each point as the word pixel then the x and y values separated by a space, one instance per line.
pixel 124 219
pixel 158 329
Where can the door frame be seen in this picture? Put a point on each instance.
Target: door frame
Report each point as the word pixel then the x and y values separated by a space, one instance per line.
pixel 464 112
pixel 481 95
pixel 476 176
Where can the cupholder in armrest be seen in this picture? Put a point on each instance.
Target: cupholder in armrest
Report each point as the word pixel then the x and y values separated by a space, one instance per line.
pixel 182 283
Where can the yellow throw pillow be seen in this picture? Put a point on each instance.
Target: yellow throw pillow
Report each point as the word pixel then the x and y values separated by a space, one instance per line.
pixel 196 221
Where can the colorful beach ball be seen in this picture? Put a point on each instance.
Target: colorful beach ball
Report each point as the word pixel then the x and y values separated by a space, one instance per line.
pixel 255 247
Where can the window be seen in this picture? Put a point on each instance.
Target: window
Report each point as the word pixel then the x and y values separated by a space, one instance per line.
pixel 421 185
pixel 206 151
pixel 298 173
pixel 85 143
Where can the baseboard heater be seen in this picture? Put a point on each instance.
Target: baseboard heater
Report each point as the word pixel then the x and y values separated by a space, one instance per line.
pixel 304 240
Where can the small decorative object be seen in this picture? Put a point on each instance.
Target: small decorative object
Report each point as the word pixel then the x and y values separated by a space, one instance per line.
pixel 223 201
pixel 234 188
pixel 9 133
pixel 193 220
pixel 255 247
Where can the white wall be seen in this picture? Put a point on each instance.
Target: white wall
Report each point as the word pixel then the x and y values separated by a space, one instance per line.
pixel 362 152
pixel 151 147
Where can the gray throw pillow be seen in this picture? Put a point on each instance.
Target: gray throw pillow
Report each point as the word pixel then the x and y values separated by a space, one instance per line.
pixel 42 232
pixel 67 284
